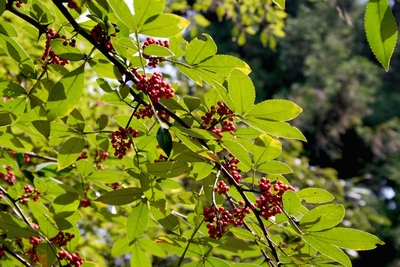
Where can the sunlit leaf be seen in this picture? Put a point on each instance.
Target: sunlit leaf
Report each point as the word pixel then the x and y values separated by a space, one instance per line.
pixel 381 30
pixel 70 151
pixel 322 217
pixel 65 94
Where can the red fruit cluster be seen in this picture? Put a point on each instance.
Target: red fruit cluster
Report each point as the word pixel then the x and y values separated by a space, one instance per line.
pixel 154 86
pixel 9 177
pixel 269 202
pixel 222 188
pixel 114 186
pixel 73 258
pixel 33 193
pixel 121 141
pixel 230 165
pixel 18 3
pixel 72 4
pixel 210 121
pixel 32 252
pixel 62 238
pixel 27 158
pixel 102 37
pixel 85 203
pixel 49 54
pixel 99 157
pixel 219 219
pixel 2 252
pixel 83 155
pixel 154 61
pixel 161 158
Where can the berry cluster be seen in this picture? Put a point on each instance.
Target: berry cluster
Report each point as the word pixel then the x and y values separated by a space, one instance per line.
pixel 85 203
pixel 49 54
pixel 27 158
pixel 18 3
pixel 230 165
pixel 73 5
pixel 62 238
pixel 269 202
pixel 154 61
pixel 121 141
pixel 102 37
pixel 2 252
pixel 154 86
pixel 73 258
pixel 99 157
pixel 219 219
pixel 32 252
pixel 222 188
pixel 161 158
pixel 114 186
pixel 9 177
pixel 34 194
pixel 83 155
pixel 210 121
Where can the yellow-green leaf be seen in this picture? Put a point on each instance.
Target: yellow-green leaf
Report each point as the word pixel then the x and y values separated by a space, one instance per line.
pixel 381 30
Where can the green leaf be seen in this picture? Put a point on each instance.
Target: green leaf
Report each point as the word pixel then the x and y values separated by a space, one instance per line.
pixel 322 217
pixel 47 225
pixel 8 29
pixel 164 25
pixel 121 196
pixel 191 74
pixel 18 54
pixel 14 226
pixel 241 90
pixel 381 30
pixel 224 64
pixel 145 9
pixel 45 254
pixel 168 169
pixel 107 176
pixel 191 102
pixel 84 167
pixel 12 111
pixel 195 132
pixel 102 121
pixel 102 66
pixel 275 128
pixel 276 110
pixel 157 51
pixel 66 52
pixel 348 238
pixel 291 202
pixel 265 148
pixel 201 170
pixel 215 262
pixel 280 3
pixel 139 257
pixel 315 195
pixel 242 234
pixel 137 221
pixel 122 120
pixel 2 7
pixel 164 140
pixel 239 152
pixel 102 141
pixel 70 151
pixel 199 50
pixel 40 12
pixel 123 12
pixel 185 198
pixel 327 249
pixel 65 94
pixel 274 167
